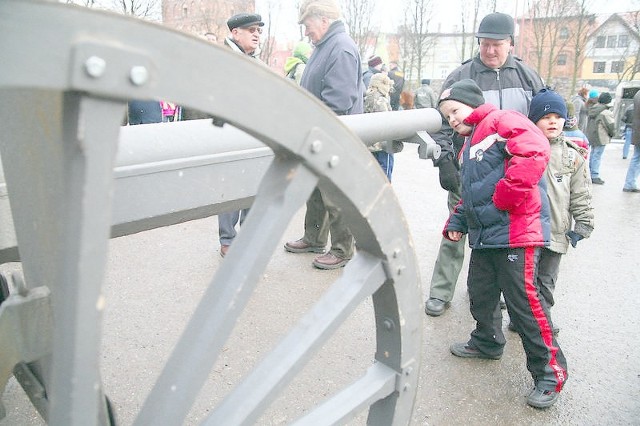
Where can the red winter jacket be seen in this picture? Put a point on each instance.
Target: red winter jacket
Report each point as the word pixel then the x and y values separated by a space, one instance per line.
pixel 504 202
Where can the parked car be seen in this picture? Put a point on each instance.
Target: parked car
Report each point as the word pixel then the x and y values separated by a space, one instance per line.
pixel 625 92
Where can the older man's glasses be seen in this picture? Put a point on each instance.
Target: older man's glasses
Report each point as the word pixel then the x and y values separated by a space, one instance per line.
pixel 254 30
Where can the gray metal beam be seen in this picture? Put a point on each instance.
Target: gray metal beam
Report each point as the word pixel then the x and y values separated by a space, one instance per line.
pixel 58 148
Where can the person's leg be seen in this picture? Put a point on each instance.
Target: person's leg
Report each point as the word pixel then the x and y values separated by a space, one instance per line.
pixel 594 161
pixel 446 269
pixel 227 227
pixel 316 225
pixel 484 295
pixel 386 162
pixel 243 215
pixel 342 243
pixel 630 182
pixel 548 267
pixel 530 314
pixel 627 142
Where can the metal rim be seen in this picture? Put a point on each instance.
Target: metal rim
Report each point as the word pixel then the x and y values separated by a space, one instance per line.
pixel 98 66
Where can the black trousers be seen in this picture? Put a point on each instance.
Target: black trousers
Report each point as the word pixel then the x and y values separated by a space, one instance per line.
pixel 513 272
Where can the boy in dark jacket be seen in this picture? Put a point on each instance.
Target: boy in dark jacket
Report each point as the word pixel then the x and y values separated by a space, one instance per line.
pixel 505 212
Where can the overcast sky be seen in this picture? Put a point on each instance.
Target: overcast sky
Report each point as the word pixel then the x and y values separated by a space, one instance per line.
pixel 389 12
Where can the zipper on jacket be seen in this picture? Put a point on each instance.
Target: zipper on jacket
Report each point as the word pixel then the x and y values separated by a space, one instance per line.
pixel 499 86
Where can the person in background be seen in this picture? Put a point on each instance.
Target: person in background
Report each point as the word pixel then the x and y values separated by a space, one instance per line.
pixel 630 182
pixel 505 210
pixel 375 66
pixel 424 96
pixel 507 83
pixel 294 65
pixel 600 130
pixel 333 75
pixel 398 84
pixel 244 38
pixel 144 112
pixel 170 111
pixel 376 99
pixel 573 133
pixel 592 99
pixel 568 189
pixel 579 105
pixel 627 119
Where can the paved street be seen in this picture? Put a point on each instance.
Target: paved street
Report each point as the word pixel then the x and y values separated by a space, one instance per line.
pixel 155 279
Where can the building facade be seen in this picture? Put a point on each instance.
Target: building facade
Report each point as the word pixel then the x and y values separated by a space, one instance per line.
pixel 199 17
pixel 612 52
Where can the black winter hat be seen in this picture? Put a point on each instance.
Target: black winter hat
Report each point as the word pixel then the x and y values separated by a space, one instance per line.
pixel 546 101
pixel 465 91
pixel 242 20
pixel 604 98
pixel 498 26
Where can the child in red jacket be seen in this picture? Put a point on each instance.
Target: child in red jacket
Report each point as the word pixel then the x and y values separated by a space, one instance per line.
pixel 505 212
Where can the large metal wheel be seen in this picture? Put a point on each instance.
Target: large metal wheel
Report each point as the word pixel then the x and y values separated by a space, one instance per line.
pixel 69 75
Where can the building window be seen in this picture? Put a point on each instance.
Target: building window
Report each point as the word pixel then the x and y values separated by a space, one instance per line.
pixel 564 33
pixel 612 41
pixel 562 59
pixel 185 11
pixel 598 67
pixel 617 66
pixel 623 41
pixel 600 40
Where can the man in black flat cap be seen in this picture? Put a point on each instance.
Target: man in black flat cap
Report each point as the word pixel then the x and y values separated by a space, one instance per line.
pixel 244 38
pixel 245 33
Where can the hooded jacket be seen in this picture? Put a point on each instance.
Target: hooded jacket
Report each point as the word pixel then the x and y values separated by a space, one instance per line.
pixel 333 73
pixel 569 191
pixel 504 201
pixel 295 64
pixel 601 125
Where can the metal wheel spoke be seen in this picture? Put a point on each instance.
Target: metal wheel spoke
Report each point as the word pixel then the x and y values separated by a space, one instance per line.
pixel 378 383
pixel 285 187
pixel 362 276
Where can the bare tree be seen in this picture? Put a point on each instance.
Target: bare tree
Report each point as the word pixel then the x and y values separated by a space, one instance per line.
pixel 583 24
pixel 357 16
pixel 272 9
pixel 145 9
pixel 631 58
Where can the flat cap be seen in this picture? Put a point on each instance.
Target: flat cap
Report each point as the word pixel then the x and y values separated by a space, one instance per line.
pixel 242 20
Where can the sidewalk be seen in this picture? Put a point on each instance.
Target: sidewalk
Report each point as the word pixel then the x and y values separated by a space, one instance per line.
pixel 156 277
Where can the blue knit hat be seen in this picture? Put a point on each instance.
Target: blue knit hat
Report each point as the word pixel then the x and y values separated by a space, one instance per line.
pixel 546 101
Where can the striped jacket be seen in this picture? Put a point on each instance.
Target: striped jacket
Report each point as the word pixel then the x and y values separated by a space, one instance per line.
pixel 504 202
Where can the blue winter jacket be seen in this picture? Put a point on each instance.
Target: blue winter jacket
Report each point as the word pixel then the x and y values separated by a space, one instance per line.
pixel 333 73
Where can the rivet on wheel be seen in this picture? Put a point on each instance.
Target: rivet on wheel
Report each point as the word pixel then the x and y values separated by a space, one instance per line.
pixel 95 66
pixel 316 146
pixel 139 75
pixel 388 324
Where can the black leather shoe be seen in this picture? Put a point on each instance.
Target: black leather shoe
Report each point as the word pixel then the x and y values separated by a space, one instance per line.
pixel 463 350
pixel 539 398
pixel 435 307
pixel 597 181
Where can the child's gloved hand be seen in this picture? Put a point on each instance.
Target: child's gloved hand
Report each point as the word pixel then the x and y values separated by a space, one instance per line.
pixel 574 237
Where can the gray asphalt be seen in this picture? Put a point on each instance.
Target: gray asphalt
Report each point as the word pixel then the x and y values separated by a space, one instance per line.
pixel 155 279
